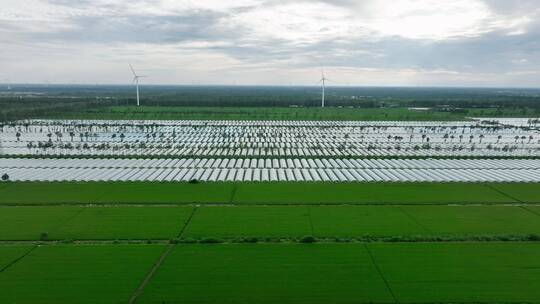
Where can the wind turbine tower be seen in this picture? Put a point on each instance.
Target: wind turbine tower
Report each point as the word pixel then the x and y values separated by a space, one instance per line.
pixel 323 82
pixel 136 82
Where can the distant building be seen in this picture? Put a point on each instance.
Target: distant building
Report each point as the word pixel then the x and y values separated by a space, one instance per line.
pixel 419 109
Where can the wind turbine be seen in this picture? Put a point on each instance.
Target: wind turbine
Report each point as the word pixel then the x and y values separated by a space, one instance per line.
pixel 136 82
pixel 323 82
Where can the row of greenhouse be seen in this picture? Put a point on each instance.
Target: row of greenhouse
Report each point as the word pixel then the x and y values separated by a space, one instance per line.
pixel 261 175
pixel 268 163
pixel 370 151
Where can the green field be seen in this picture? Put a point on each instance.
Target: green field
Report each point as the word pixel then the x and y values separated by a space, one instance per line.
pixel 461 273
pixel 92 223
pixel 270 273
pixel 346 273
pixel 36 193
pixel 274 223
pixel 267 274
pixel 9 254
pixel 284 113
pixel 249 221
pixel 77 274
pixel 375 243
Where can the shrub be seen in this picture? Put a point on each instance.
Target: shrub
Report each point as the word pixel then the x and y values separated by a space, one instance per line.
pixel 43 236
pixel 194 181
pixel 188 241
pixel 533 237
pixel 246 240
pixel 251 240
pixel 308 239
pixel 210 241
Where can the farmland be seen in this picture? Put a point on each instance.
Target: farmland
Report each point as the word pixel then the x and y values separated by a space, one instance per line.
pixel 110 274
pixel 272 223
pixel 45 193
pixel 278 205
pixel 342 273
pixel 348 273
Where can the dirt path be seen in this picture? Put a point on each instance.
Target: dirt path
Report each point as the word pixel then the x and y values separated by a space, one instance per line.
pixel 159 261
pixel 150 274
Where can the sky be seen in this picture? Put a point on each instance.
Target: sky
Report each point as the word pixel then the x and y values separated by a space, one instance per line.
pixel 474 43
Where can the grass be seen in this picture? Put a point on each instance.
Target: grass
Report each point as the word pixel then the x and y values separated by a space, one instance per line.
pixel 37 193
pixel 267 274
pixel 92 223
pixel 459 273
pixel 77 274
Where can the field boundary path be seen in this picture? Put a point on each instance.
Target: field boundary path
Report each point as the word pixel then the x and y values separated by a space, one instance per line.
pixel 150 274
pixel 379 271
pixel 529 210
pixel 504 193
pixel 160 260
pixel 414 219
pixel 18 259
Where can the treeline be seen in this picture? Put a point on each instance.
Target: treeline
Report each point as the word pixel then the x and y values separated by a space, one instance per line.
pixel 22 108
pixel 42 101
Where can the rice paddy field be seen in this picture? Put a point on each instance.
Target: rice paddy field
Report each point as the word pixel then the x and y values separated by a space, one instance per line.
pixel 273 211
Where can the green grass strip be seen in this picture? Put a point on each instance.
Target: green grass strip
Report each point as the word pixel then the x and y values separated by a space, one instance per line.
pixel 49 193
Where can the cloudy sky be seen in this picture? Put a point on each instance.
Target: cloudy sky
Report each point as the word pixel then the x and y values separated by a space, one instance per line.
pixel 274 42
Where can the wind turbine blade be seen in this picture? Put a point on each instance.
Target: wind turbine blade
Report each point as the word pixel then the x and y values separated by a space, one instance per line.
pixel 132 70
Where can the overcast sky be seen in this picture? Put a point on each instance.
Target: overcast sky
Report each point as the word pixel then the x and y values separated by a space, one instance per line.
pixel 274 42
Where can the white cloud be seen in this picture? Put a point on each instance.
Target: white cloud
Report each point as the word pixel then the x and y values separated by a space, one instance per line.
pixel 414 19
pixel 285 41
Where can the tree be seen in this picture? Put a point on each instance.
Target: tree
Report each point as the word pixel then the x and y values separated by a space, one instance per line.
pixel 5 177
